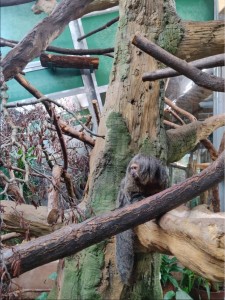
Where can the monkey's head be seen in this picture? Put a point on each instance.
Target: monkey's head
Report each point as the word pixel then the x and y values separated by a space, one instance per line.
pixel 147 171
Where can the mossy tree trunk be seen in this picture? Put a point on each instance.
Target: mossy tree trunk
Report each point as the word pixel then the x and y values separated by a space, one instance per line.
pixel 132 123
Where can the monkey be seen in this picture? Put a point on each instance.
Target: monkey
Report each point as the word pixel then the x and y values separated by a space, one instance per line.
pixel 145 176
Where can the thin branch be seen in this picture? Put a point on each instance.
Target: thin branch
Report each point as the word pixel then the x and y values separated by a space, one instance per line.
pixel 175 115
pixel 108 24
pixel 180 110
pixel 209 146
pixel 171 124
pixel 76 237
pixel 203 63
pixel 9 236
pixel 106 51
pixel 200 78
pixel 19 78
pixel 42 99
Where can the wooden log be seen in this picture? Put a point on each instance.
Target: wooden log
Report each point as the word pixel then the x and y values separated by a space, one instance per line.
pixel 68 61
pixel 76 237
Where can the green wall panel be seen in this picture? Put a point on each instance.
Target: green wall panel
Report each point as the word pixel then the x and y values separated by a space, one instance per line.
pixel 46 81
pixel 195 10
pixel 102 39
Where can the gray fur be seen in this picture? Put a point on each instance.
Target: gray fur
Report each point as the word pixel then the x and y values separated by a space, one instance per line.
pixel 147 179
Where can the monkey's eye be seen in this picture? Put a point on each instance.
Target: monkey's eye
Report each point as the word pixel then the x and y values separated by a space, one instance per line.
pixel 134 167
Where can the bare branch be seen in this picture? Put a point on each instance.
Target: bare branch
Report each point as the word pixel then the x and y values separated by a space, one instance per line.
pixel 186 137
pixel 42 35
pixel 188 235
pixel 209 62
pixel 75 237
pixel 200 78
pixel 51 113
pixel 180 110
pixel 68 61
pixel 9 236
pixel 12 44
pixel 108 24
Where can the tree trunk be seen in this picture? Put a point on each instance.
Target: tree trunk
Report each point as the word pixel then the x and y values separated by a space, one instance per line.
pixel 132 122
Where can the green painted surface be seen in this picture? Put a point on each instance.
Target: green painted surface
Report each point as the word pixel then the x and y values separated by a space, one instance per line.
pixel 195 10
pixel 102 39
pixel 46 81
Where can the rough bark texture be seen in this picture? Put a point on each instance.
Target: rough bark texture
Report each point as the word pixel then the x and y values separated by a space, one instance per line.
pixel 75 237
pixel 41 36
pixel 183 139
pixel 196 237
pixel 201 39
pixel 62 61
pixel 131 122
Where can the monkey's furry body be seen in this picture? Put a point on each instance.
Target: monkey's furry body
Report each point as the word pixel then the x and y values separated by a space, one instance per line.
pixel 145 176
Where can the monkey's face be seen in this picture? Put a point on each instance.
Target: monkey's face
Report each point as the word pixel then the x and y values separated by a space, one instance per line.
pixel 134 169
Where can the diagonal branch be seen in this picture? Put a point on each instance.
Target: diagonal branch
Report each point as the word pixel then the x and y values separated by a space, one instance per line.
pixel 183 139
pixel 42 35
pixel 200 78
pixel 108 24
pixel 73 238
pixel 209 62
pixel 20 79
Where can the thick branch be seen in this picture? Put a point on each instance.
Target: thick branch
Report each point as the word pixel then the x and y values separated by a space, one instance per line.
pixel 200 78
pixel 186 137
pixel 100 5
pixel 209 62
pixel 41 36
pixel 188 235
pixel 201 39
pixel 69 61
pixel 75 237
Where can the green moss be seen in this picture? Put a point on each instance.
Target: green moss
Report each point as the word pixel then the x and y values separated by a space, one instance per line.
pixel 178 146
pixel 82 274
pixel 172 33
pixel 53 294
pixel 113 165
pixel 170 38
pixel 147 285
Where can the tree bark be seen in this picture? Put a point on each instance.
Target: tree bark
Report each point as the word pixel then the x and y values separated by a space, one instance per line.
pixel 41 36
pixel 188 235
pixel 73 238
pixel 60 61
pixel 181 140
pixel 201 39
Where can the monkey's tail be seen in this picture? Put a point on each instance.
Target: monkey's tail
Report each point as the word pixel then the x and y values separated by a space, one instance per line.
pixel 125 255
